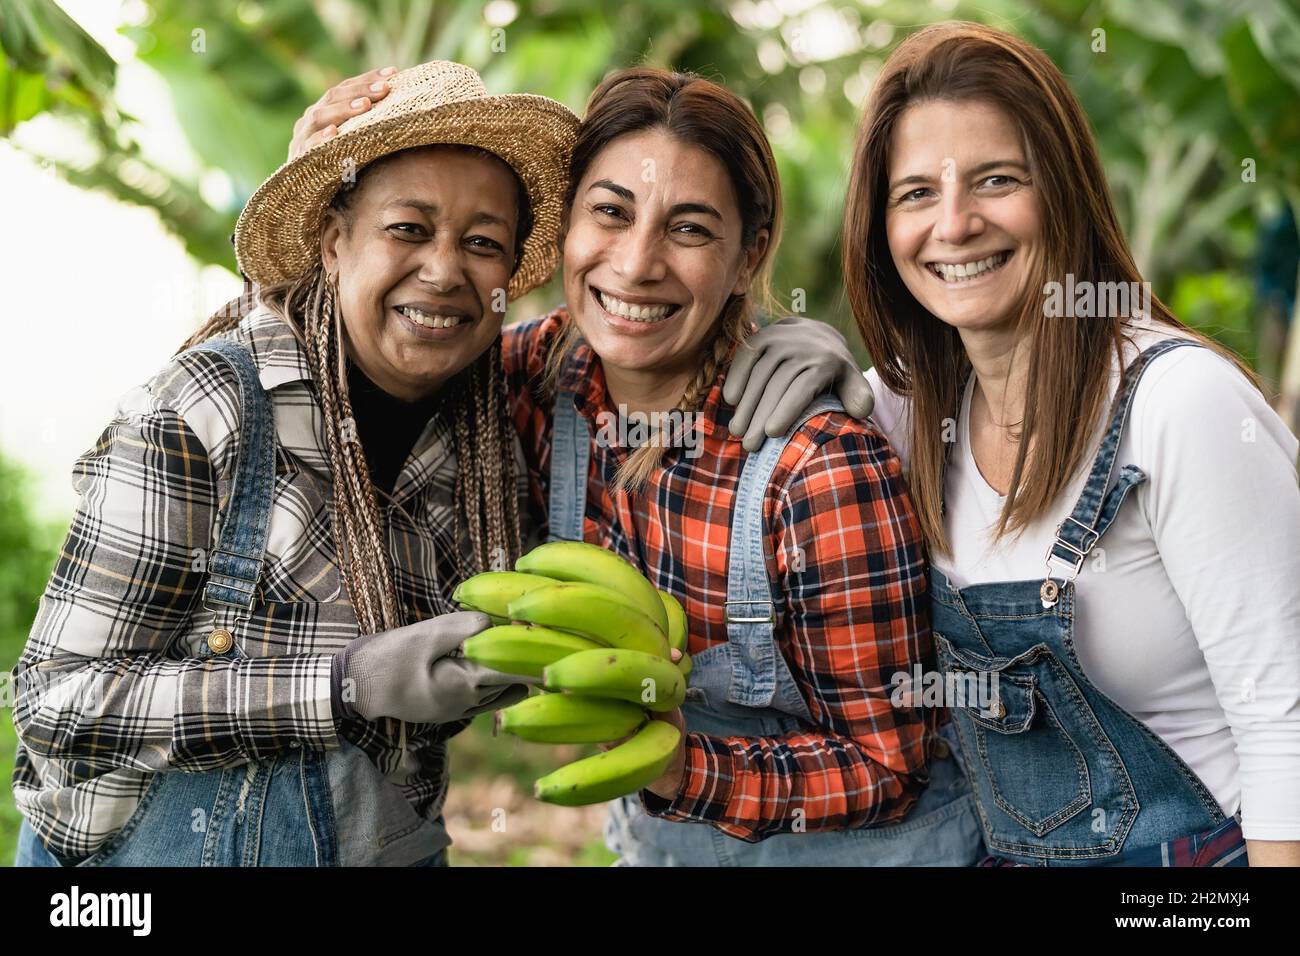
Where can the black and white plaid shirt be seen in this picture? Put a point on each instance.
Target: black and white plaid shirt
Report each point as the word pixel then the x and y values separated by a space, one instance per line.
pixel 113 685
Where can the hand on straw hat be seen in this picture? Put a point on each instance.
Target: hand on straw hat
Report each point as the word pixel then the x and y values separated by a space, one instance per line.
pixel 354 95
pixel 439 103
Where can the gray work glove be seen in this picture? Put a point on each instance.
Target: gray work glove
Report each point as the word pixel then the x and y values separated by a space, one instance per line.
pixel 408 673
pixel 781 368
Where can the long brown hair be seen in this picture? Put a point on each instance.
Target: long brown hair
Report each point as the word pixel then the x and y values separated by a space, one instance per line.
pixel 706 115
pixel 918 355
pixel 487 504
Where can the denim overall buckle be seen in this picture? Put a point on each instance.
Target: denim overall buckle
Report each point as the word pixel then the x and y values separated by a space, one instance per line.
pixel 245 582
pixel 767 618
pixel 1050 591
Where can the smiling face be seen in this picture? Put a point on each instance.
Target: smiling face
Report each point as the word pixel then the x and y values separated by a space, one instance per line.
pixel 962 216
pixel 420 252
pixel 652 253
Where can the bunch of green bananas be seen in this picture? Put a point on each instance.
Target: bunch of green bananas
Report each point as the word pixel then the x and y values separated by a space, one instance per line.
pixel 598 635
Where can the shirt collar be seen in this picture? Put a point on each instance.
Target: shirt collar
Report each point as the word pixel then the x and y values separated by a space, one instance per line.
pixel 277 353
pixel 583 377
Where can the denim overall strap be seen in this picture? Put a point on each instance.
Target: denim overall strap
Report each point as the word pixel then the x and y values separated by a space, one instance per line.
pixel 1093 513
pixel 751 600
pixel 570 453
pixel 303 807
pixel 235 564
pixel 1064 775
pixel 744 688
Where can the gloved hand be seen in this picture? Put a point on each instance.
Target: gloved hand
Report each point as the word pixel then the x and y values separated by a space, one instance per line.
pixel 779 371
pixel 407 673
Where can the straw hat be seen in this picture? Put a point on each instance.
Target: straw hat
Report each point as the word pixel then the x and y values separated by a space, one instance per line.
pixel 277 237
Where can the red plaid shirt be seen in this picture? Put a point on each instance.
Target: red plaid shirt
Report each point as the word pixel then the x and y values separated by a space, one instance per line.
pixel 856 612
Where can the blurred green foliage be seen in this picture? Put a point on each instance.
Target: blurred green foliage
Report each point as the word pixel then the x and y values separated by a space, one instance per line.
pixel 27 551
pixel 1181 93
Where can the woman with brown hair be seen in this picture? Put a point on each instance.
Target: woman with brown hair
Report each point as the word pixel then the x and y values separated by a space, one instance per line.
pixel 799 566
pixel 1046 404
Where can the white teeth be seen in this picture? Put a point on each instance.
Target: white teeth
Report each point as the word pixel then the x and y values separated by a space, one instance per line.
pixel 431 321
pixel 966 270
pixel 637 313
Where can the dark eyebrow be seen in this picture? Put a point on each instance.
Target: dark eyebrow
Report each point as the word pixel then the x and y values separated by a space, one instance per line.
pixel 908 180
pixel 699 207
pixel 621 191
pixel 420 204
pixel 994 164
pixel 975 171
pixel 682 207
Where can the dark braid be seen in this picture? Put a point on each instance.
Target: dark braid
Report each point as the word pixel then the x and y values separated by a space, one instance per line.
pixel 359 528
pixel 487 512
pixel 486 466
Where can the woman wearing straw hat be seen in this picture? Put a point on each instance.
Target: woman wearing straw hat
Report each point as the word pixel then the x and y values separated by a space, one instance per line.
pixel 246 652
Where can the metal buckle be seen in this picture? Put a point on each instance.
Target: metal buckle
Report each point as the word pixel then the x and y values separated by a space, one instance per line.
pixel 1087 544
pixel 769 618
pixel 254 596
pixel 1079 555
pixel 254 592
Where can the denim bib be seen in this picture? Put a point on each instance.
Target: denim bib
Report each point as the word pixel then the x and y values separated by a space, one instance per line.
pixel 744 688
pixel 302 808
pixel 1063 775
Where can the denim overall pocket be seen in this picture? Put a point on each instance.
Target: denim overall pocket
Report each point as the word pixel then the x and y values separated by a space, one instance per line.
pixel 1045 757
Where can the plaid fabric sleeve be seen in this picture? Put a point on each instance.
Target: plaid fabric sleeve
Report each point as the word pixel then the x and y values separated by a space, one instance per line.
pixel 96 685
pixel 849 557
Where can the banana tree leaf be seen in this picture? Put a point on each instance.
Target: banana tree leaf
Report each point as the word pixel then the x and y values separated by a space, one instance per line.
pixel 36 34
pixel 1266 102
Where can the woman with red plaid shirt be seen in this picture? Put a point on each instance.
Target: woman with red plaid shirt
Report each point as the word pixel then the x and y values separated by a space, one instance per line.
pixel 797 748
pixel 800 746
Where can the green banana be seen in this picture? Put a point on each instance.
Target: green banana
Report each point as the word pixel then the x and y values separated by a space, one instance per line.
pixel 678 631
pixel 570 719
pixel 491 591
pixel 677 626
pixel 634 676
pixel 522 648
pixel 627 768
pixel 591 611
pixel 579 561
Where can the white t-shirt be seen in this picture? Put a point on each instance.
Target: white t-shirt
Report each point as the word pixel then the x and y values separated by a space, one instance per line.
pixel 1189 607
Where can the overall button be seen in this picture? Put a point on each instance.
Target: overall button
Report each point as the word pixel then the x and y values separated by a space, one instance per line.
pixel 941 749
pixel 1049 592
pixel 997 708
pixel 220 641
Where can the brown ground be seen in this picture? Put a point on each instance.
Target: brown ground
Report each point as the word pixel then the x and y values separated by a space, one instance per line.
pixel 493 818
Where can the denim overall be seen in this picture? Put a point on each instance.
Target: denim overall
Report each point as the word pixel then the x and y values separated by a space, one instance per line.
pixel 1062 774
pixel 743 688
pixel 302 808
